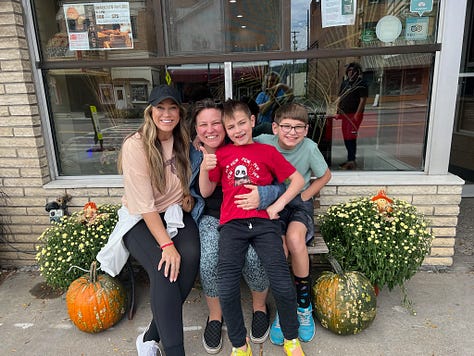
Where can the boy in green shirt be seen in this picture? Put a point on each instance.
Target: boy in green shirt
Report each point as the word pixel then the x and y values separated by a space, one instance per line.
pixel 290 129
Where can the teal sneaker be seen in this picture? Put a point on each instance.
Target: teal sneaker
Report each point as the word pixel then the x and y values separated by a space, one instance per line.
pixel 276 335
pixel 307 328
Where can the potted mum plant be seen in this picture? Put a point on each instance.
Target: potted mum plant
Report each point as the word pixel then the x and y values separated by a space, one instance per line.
pixel 71 244
pixel 385 239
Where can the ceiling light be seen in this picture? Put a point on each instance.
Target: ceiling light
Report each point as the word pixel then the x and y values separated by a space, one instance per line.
pixel 240 16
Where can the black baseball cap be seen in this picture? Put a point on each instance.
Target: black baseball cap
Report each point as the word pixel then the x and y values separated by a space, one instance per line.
pixel 162 92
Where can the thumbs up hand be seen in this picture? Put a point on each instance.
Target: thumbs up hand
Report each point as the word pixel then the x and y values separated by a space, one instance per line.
pixel 209 160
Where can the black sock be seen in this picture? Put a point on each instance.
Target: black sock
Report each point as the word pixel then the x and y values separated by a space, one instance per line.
pixel 303 291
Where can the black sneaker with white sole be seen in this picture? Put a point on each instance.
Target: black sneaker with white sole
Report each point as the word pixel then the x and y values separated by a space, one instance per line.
pixel 260 327
pixel 212 337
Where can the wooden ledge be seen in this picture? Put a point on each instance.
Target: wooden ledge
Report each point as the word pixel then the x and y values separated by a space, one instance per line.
pixel 318 246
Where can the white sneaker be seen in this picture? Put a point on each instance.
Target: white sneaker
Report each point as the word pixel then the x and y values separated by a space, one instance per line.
pixel 147 348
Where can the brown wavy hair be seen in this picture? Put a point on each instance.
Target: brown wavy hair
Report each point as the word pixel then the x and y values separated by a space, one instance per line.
pixel 154 151
pixel 292 111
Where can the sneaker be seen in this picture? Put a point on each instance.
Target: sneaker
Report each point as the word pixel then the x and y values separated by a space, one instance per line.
pixel 212 337
pixel 260 327
pixel 306 329
pixel 293 347
pixel 147 348
pixel 239 352
pixel 276 335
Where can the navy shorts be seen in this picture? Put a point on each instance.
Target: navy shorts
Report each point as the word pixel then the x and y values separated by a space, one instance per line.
pixel 299 210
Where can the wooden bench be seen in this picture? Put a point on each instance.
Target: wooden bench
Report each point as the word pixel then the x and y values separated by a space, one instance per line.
pixel 318 245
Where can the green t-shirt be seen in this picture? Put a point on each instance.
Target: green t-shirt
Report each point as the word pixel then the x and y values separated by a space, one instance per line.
pixel 305 157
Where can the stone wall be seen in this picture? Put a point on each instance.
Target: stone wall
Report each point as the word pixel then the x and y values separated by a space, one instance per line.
pixel 23 163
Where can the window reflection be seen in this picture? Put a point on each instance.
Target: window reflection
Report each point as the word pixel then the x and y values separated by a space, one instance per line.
pixel 223 26
pixel 375 24
pixel 392 133
pixel 213 26
pixel 92 111
pixel 76 34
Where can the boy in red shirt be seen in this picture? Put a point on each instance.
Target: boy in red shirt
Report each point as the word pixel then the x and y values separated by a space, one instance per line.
pixel 235 167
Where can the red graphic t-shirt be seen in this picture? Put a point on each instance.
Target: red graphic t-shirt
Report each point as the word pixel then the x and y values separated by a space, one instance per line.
pixel 256 164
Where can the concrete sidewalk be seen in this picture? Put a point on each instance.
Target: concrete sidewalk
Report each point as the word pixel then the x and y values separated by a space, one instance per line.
pixel 443 325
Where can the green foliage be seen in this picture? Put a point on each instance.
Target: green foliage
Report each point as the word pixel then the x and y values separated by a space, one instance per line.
pixel 387 246
pixel 74 241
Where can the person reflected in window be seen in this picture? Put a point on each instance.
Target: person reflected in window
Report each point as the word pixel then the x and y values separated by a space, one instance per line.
pixel 351 101
pixel 273 95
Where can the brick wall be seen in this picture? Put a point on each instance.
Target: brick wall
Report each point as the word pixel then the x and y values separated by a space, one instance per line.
pixel 23 163
pixel 24 166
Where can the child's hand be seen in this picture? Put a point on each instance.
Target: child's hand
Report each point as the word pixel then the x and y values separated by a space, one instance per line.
pixel 197 143
pixel 273 211
pixel 209 160
pixel 248 201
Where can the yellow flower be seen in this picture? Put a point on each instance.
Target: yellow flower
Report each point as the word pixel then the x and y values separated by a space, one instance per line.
pixel 358 231
pixel 78 243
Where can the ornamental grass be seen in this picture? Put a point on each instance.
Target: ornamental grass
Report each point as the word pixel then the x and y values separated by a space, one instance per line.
pixel 74 241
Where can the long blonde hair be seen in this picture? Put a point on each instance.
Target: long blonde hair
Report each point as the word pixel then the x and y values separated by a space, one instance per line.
pixel 154 151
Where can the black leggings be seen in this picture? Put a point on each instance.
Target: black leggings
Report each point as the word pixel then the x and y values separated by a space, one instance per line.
pixel 167 298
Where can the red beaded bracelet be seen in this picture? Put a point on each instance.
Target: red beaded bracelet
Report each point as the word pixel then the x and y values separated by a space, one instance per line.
pixel 166 245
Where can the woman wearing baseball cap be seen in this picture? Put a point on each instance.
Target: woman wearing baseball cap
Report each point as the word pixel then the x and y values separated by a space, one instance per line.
pixel 156 171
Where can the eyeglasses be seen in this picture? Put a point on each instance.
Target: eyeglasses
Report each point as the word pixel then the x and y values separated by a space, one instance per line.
pixel 299 129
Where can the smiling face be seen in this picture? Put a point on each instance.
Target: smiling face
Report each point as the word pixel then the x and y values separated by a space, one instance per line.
pixel 286 130
pixel 209 128
pixel 166 116
pixel 239 127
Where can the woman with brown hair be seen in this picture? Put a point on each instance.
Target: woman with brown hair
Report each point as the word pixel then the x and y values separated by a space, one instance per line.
pixel 163 236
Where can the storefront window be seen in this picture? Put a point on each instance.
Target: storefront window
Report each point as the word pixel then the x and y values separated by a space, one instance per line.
pixel 223 26
pixel 100 30
pixel 100 60
pixel 462 151
pixel 105 30
pixel 339 24
pixel 392 133
pixel 92 110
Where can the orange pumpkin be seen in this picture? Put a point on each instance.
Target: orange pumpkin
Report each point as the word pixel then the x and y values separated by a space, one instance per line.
pixel 95 303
